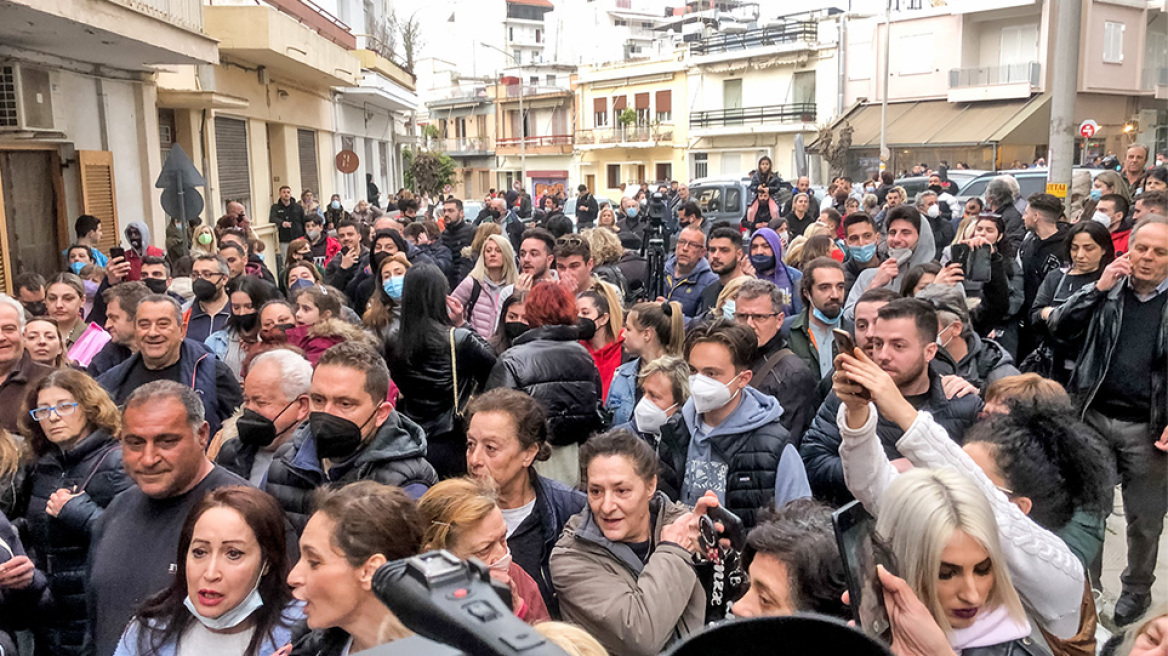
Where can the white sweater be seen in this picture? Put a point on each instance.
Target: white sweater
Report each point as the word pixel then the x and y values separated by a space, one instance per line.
pixel 1047 575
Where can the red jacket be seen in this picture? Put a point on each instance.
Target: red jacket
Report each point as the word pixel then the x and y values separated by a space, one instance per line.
pixel 1119 239
pixel 135 260
pixel 607 359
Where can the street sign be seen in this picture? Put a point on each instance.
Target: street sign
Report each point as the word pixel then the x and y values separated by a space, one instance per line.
pixel 885 154
pixel 192 202
pixel 347 161
pixel 1088 128
pixel 1057 190
pixel 180 199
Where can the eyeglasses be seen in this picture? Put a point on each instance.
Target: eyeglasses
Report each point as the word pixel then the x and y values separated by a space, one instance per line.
pixel 195 275
pixel 685 243
pixel 573 240
pixel 62 410
pixel 745 317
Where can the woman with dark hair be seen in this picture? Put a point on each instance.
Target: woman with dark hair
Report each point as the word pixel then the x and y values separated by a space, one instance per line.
pixel 340 551
pixel 383 312
pixel 763 175
pixel 766 256
pixel 605 345
pixel 623 569
pixel 437 368
pixel 919 277
pixel 548 363
pixel 1089 248
pixel 1003 295
pixel 512 321
pixel 229 596
pixel 506 435
pixel 69 425
pixel 44 342
pixel 247 295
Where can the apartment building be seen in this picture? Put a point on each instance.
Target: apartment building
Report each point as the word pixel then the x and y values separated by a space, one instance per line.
pixel 534 128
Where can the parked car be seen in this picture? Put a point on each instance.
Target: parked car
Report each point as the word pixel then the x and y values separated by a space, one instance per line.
pixel 915 184
pixel 570 206
pixel 1030 181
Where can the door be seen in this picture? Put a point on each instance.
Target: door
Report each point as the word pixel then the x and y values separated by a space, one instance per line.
pixel 732 101
pixel 306 149
pixel 590 182
pixel 664 172
pixel 33 231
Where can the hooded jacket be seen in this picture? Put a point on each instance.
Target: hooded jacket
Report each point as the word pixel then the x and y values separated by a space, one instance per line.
pixel 688 290
pixel 632 607
pixel 549 364
pixel 455 238
pixel 134 256
pixel 787 278
pixel 986 362
pixel 748 460
pixel 314 340
pixel 924 252
pixel 396 455
pixel 1038 258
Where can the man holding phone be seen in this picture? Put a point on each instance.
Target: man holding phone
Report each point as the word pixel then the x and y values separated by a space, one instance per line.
pixel 1122 388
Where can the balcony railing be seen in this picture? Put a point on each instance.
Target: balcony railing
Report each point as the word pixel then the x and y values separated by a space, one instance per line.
pixel 464 144
pixel 316 18
pixel 759 38
pixel 187 14
pixel 985 76
pixel 792 113
pixel 531 90
pixel 624 134
pixel 535 142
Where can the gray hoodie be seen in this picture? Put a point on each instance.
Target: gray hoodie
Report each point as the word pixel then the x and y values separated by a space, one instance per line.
pixel 923 253
pixel 704 465
pixel 142 230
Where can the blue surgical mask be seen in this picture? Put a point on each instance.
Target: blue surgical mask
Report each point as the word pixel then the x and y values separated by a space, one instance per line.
pixel 825 319
pixel 236 616
pixel 863 253
pixel 336 204
pixel 728 309
pixel 76 267
pixel 631 212
pixel 300 284
pixel 393 286
pixel 1096 194
pixel 763 262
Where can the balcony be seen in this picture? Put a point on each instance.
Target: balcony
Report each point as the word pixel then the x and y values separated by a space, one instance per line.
pixel 554 144
pixel 768 118
pixel 513 91
pixel 766 37
pixel 465 146
pixel 122 34
pixel 631 136
pixel 1011 81
pixel 320 21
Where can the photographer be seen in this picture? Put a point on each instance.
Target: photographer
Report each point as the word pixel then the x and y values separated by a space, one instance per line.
pixel 623 569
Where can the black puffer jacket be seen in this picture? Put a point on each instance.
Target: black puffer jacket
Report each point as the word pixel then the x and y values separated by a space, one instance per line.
pixel 456 238
pixel 60 545
pixel 821 442
pixel 549 364
pixel 395 456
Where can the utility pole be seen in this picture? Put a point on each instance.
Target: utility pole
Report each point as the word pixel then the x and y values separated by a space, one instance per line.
pixel 1063 89
pixel 885 154
pixel 522 118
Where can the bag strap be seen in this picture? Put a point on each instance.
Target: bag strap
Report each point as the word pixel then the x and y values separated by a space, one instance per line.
pixel 476 288
pixel 773 362
pixel 96 467
pixel 454 371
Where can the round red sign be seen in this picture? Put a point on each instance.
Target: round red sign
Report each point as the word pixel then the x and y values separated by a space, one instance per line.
pixel 347 161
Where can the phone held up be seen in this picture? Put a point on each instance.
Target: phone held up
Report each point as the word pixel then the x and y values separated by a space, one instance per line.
pixel 845 343
pixel 862 550
pixel 116 252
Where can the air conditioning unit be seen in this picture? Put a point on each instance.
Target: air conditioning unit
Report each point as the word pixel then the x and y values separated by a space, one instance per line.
pixel 26 99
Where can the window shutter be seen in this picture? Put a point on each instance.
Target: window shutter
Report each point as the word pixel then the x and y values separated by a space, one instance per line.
pixel 5 266
pixel 642 100
pixel 309 176
pixel 98 196
pixel 619 103
pixel 231 157
pixel 599 105
pixel 664 101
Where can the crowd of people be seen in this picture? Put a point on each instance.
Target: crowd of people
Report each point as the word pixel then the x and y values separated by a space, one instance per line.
pixel 205 450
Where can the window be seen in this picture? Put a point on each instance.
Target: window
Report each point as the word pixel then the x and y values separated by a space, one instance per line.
pixel 1113 42
pixel 643 117
pixel 803 87
pixel 551 80
pixel 916 54
pixel 620 22
pixel 599 112
pixel 612 171
pixel 701 162
pixel 664 106
pixel 647 26
pixel 534 80
pixel 510 33
pixel 664 171
pixel 538 35
pixel 518 56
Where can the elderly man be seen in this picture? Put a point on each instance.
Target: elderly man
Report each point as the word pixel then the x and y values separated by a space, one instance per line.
pixel 802 186
pixel 1135 160
pixel 1121 387
pixel 275 402
pixel 18 372
pixel 1001 200
pixel 164 433
pixel 938 216
pixel 687 273
pixel 163 354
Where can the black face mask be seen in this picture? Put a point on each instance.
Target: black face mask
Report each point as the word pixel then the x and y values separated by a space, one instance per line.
pixel 514 329
pixel 37 308
pixel 586 327
pixel 204 290
pixel 495 214
pixel 936 189
pixel 256 429
pixel 156 285
pixel 244 323
pixel 335 437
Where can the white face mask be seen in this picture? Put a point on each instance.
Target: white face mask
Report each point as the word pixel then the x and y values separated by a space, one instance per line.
pixel 709 394
pixel 1100 217
pixel 236 616
pixel 934 211
pixel 649 417
pixel 944 343
pixel 901 255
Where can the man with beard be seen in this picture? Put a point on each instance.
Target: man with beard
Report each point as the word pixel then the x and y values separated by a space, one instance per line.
pixel 910 242
pixel 811 336
pixel 903 344
pixel 724 255
pixel 536 259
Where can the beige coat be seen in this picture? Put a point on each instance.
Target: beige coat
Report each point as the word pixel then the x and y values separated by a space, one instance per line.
pixel 630 607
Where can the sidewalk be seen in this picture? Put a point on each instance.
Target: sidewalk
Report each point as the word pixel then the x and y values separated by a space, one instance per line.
pixel 1115 559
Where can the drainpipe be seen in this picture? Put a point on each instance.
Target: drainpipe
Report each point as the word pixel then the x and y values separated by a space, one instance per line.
pixel 840 51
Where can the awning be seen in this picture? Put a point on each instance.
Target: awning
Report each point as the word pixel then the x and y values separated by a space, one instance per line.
pixel 942 123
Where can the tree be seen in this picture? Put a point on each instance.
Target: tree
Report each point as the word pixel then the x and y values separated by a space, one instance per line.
pixel 428 172
pixel 834 147
pixel 385 36
pixel 410 32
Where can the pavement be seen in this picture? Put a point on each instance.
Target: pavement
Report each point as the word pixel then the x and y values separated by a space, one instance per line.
pixel 1115 559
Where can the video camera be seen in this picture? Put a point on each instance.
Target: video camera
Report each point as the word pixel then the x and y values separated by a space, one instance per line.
pixel 657 207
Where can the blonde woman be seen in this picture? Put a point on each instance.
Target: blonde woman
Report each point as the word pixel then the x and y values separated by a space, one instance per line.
pixel 462 515
pixel 606 254
pixel 607 219
pixel 725 305
pixel 961 543
pixel 203 241
pixel 479 293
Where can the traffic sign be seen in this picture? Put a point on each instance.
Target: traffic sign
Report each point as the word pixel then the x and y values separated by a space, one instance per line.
pixel 347 161
pixel 1056 189
pixel 1088 128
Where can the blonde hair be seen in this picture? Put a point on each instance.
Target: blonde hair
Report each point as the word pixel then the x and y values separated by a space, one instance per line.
pixel 196 247
pixel 510 273
pixel 12 455
pixel 675 370
pixel 919 514
pixel 610 213
pixel 480 236
pixel 730 291
pixel 1112 179
pixel 1133 632
pixel 605 245
pixel 795 251
pixel 816 228
pixel 452 507
pixel 571 638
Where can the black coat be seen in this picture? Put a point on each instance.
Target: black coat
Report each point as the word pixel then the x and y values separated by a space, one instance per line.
pixel 793 385
pixel 456 238
pixel 426 382
pixel 821 442
pixel 550 364
pixel 60 545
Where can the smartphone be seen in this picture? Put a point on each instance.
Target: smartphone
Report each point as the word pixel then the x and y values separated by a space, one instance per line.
pixel 959 254
pixel 862 551
pixel 845 343
pixel 732 527
pixel 116 252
